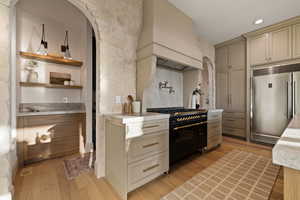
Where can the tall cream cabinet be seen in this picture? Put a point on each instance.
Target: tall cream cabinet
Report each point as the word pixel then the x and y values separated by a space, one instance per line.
pixel 231 83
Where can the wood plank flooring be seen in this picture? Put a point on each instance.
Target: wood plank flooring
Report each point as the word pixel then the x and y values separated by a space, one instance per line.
pixel 48 182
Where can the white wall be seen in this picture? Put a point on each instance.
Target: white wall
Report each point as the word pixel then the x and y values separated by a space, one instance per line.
pixel 162 98
pixel 31 14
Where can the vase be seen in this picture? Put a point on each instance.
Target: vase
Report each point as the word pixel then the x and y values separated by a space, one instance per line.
pixel 32 77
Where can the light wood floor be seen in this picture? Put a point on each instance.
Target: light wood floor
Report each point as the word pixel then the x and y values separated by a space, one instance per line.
pixel 48 182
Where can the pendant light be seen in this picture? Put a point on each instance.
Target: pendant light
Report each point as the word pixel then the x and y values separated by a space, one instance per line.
pixel 65 49
pixel 43 49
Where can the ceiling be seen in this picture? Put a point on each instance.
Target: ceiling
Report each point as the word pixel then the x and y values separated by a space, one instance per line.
pixel 221 20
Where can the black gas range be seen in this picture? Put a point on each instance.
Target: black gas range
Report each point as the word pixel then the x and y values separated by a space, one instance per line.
pixel 188 131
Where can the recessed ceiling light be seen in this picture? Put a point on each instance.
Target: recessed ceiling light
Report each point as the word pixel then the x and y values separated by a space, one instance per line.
pixel 258 21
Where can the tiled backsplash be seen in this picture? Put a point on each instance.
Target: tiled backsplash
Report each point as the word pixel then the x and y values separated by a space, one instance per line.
pixel 161 97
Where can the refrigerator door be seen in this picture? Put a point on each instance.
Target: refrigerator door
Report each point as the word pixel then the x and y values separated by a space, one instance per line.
pixel 272 104
pixel 296 93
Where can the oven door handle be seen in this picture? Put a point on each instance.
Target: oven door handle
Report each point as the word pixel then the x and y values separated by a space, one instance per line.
pixel 190 125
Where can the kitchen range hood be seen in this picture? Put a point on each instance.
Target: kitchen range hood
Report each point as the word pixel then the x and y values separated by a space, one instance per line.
pixel 167 40
pixel 163 62
pixel 169 34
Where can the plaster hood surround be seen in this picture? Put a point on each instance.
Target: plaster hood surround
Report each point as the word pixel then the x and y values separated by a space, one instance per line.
pixel 167 34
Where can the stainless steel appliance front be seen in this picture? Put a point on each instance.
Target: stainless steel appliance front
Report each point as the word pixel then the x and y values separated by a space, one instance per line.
pixel 274 101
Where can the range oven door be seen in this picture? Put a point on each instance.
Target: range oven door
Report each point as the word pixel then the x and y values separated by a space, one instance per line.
pixel 186 140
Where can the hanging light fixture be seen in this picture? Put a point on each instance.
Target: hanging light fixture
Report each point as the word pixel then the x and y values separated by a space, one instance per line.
pixel 43 49
pixel 65 49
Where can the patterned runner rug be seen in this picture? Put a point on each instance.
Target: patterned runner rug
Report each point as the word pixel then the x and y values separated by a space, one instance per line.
pixel 75 166
pixel 238 175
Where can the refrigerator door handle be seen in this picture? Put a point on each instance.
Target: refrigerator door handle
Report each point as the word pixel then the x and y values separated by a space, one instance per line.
pixel 294 99
pixel 287 100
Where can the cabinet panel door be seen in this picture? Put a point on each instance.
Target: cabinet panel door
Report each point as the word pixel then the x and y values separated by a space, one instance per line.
pixel 222 90
pixel 237 55
pixel 280 44
pixel 259 49
pixel 222 59
pixel 296 41
pixel 237 90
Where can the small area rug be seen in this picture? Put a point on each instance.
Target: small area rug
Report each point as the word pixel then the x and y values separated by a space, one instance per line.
pixel 75 166
pixel 238 175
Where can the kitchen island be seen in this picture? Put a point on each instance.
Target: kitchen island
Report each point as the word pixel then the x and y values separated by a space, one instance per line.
pixel 137 149
pixel 286 153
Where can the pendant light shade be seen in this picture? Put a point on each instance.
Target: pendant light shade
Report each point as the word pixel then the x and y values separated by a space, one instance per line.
pixel 43 49
pixel 65 49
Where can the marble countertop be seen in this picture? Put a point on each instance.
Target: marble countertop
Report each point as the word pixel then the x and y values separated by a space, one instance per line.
pixel 286 152
pixel 125 118
pixel 23 114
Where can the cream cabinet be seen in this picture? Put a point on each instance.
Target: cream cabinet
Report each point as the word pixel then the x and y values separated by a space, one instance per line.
pixel 137 150
pixel 237 88
pixel 222 90
pixel 280 44
pixel 296 41
pixel 230 76
pixel 236 55
pixel 214 128
pixel 222 59
pixel 231 86
pixel 231 90
pixel 259 49
pixel 271 47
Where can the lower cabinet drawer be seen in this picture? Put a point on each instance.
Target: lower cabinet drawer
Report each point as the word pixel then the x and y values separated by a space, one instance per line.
pixel 234 131
pixel 154 126
pixel 214 116
pixel 144 171
pixel 214 128
pixel 144 146
pixel 214 141
pixel 235 115
pixel 234 123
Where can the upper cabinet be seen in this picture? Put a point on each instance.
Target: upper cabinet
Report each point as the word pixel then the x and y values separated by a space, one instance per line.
pixel 237 55
pixel 258 49
pixel 222 59
pixel 231 56
pixel 296 41
pixel 280 44
pixel 271 47
pixel 273 44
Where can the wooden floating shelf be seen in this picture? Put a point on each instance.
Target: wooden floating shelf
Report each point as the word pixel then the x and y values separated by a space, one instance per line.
pixel 46 85
pixel 51 59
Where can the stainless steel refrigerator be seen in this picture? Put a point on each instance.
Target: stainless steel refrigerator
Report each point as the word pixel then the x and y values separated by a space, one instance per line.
pixel 275 95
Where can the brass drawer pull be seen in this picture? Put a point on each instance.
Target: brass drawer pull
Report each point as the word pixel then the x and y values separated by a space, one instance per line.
pixel 153 126
pixel 190 125
pixel 150 168
pixel 150 145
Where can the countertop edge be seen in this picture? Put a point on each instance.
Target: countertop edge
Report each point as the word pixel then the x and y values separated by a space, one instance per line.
pixel 124 119
pixel 49 113
pixel 287 149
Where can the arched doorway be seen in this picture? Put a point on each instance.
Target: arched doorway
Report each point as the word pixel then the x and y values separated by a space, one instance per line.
pixel 92 20
pixel 208 83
